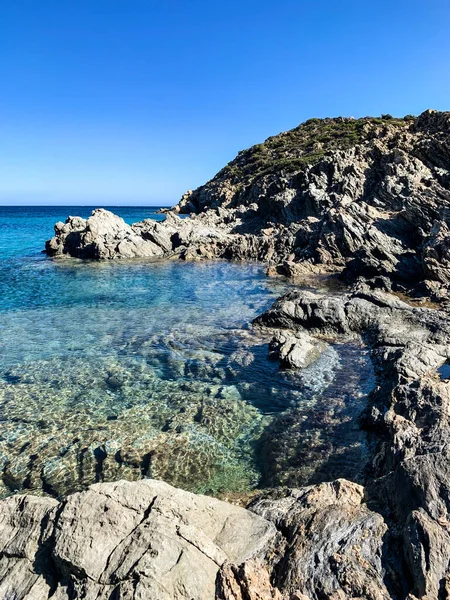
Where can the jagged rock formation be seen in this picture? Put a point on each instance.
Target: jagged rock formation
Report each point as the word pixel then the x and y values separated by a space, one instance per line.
pixel 107 236
pixel 367 197
pixel 149 540
pixel 407 417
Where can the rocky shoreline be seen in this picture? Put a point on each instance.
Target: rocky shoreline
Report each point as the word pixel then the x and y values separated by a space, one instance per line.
pixel 367 200
pixel 363 198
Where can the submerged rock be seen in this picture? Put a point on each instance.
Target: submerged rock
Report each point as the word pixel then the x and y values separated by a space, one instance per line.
pixel 212 426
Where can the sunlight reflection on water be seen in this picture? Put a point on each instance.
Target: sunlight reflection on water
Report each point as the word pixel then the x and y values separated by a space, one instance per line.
pixel 132 369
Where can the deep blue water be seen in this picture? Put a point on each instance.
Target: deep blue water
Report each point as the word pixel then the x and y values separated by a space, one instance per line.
pixel 128 369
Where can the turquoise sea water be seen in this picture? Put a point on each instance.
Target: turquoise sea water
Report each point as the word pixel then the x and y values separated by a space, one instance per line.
pixel 129 369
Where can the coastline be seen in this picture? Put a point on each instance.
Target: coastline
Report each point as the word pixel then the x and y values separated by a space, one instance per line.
pixel 386 539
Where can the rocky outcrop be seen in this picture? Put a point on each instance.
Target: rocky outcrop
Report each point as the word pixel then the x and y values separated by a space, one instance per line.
pixel 367 197
pixel 107 236
pixel 104 235
pixel 408 480
pixel 149 540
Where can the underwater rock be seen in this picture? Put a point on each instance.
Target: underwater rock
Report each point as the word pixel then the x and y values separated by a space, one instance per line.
pixel 196 435
pixel 197 411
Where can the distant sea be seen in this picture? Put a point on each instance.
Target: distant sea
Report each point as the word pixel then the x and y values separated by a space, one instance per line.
pixel 23 229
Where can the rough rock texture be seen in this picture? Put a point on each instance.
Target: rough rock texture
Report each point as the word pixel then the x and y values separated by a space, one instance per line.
pixel 149 540
pixel 295 351
pixel 334 542
pixel 104 235
pixel 332 548
pixel 407 417
pixel 124 540
pixel 367 197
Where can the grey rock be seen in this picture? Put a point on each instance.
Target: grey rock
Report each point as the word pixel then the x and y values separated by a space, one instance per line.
pixel 295 350
pixel 102 236
pixel 409 479
pixel 334 543
pixel 127 540
pixel 149 540
pixel 23 556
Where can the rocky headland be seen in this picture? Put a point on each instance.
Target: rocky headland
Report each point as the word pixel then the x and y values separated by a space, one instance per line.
pixel 365 202
pixel 362 198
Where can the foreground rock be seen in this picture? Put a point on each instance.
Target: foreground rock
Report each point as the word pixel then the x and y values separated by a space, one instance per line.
pixel 407 418
pixel 149 540
pixel 333 547
pixel 124 540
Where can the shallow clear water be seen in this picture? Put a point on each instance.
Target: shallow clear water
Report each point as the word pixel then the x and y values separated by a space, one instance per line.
pixel 131 369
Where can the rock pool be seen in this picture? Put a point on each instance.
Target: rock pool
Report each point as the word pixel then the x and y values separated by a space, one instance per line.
pixel 128 369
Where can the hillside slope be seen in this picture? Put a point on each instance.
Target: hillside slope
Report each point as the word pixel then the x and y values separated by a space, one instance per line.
pixel 369 195
pixel 364 198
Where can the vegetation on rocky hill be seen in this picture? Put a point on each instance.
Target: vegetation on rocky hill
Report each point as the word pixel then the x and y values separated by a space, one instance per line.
pixel 306 144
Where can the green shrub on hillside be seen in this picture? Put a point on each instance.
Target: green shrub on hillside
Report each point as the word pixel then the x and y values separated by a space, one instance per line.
pixel 307 144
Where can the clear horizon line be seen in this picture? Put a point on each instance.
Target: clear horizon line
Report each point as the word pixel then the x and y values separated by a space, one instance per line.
pixel 100 204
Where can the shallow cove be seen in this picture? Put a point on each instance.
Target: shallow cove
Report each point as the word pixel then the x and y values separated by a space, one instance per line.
pixel 132 369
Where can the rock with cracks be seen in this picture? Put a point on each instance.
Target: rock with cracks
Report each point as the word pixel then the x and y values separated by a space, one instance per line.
pixel 124 540
pixel 136 540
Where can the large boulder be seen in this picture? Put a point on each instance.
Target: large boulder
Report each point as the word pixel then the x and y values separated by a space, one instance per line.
pixel 124 540
pixel 146 540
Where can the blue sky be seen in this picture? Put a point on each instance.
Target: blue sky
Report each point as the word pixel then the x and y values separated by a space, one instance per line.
pixel 135 101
